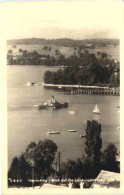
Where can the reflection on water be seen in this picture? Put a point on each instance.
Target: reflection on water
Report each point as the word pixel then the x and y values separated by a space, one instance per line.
pixel 96 117
pixel 26 123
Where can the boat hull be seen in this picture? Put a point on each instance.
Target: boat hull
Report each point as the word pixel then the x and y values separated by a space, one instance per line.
pixel 56 106
pixel 72 131
pixel 53 132
pixel 98 113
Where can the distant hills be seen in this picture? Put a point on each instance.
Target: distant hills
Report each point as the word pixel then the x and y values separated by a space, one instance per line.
pixel 63 42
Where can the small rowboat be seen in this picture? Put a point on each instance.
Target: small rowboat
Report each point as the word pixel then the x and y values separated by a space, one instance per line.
pixel 53 132
pixel 82 136
pixel 72 130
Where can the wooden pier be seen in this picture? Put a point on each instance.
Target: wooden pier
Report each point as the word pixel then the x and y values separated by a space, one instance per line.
pixel 88 90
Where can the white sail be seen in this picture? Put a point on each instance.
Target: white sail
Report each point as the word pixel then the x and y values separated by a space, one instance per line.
pixel 96 110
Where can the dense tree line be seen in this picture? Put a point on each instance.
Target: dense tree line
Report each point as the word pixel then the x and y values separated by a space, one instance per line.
pixel 34 58
pixel 109 158
pixel 81 57
pixel 95 74
pixel 29 58
pixel 87 167
pixel 65 42
pixel 85 69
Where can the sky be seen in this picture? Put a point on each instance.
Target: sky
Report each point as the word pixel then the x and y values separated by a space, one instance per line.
pixel 62 19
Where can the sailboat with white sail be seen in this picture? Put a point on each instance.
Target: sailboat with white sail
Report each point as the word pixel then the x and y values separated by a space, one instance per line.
pixel 96 110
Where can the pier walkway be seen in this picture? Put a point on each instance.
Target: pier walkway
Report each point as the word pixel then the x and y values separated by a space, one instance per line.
pixel 81 89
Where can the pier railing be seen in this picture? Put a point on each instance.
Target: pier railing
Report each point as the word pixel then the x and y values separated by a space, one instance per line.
pixel 81 89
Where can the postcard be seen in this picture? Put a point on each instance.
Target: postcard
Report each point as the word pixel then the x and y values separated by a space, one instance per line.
pixel 60 71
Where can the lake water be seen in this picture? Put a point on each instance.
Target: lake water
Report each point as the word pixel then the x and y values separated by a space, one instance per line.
pixel 26 124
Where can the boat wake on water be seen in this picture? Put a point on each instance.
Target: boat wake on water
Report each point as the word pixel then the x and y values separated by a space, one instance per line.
pixel 29 84
pixel 22 108
pixel 72 112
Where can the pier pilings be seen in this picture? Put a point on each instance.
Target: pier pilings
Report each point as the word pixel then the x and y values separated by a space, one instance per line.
pixel 95 92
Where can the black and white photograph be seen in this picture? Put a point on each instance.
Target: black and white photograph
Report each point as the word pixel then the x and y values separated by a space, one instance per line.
pixel 61 83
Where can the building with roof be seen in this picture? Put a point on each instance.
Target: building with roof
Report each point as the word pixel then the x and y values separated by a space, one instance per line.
pixel 107 179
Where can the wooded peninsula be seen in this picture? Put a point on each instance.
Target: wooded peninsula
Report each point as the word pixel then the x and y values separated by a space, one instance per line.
pixel 81 67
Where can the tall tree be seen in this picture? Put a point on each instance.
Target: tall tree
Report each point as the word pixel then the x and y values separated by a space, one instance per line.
pixel 13 171
pixel 38 156
pixel 93 143
pixel 71 169
pixel 109 158
pixel 20 169
pixel 42 156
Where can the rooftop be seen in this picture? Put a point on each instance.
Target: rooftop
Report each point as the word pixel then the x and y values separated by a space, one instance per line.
pixel 107 179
